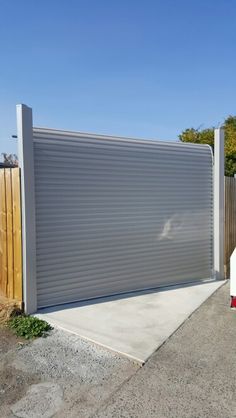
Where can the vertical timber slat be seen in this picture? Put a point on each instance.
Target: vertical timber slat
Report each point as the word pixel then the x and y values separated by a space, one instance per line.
pixel 1 230
pixel 3 234
pixel 9 235
pixel 230 220
pixel 17 234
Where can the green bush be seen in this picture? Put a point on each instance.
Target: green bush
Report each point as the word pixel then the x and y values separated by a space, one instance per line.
pixel 29 326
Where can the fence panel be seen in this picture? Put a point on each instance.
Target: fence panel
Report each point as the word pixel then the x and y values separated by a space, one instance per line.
pixel 230 219
pixel 115 215
pixel 10 234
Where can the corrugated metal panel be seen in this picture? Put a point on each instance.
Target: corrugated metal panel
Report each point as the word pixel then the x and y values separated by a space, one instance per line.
pixel 115 215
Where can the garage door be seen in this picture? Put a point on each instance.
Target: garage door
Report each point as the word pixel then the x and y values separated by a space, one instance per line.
pixel 115 215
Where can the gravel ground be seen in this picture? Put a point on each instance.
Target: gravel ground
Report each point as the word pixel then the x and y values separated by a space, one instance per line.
pixel 60 376
pixel 191 376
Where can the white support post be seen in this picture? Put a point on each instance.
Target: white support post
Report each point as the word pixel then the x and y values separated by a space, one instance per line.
pixel 26 163
pixel 219 204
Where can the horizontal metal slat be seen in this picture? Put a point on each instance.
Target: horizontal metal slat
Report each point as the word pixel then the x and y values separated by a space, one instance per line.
pixel 88 278
pixel 102 206
pixel 53 135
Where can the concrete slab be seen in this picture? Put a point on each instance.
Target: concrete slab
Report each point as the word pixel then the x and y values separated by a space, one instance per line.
pixel 135 325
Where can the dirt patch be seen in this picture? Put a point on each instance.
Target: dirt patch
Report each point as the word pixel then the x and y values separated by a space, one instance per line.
pixel 9 341
pixel 13 383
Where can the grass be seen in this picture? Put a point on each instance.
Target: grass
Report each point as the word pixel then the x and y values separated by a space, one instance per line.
pixel 28 326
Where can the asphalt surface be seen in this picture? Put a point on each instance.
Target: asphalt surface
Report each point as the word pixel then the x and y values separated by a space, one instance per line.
pixel 192 375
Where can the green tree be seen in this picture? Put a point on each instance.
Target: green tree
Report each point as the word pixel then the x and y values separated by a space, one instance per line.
pixel 206 136
pixel 10 159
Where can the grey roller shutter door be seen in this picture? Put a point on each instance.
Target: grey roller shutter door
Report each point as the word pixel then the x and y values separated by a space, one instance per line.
pixel 116 215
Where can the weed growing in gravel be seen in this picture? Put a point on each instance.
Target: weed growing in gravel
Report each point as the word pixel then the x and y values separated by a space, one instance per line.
pixel 29 326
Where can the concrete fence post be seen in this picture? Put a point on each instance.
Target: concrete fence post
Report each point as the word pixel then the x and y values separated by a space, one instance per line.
pixel 219 204
pixel 26 163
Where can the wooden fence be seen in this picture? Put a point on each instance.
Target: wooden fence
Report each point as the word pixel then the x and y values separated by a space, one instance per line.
pixel 230 220
pixel 10 234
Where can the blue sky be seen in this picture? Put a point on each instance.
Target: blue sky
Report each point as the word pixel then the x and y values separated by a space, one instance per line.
pixel 134 68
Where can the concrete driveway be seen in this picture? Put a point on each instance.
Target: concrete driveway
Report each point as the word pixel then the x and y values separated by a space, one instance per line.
pixel 191 376
pixel 134 325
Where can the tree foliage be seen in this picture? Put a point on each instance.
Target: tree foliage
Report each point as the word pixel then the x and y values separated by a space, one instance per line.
pixel 10 159
pixel 206 136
